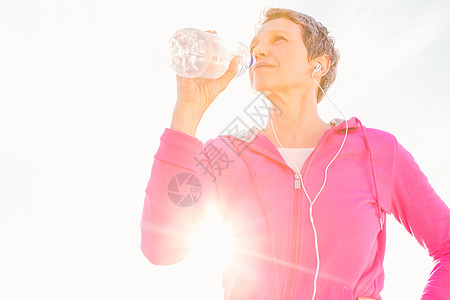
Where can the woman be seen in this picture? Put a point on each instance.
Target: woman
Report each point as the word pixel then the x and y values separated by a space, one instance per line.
pixel 307 200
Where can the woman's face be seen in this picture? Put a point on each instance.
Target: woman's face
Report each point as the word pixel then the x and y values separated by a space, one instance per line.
pixel 281 58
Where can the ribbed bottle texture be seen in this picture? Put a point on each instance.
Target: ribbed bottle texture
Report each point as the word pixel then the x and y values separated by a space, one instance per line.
pixel 196 53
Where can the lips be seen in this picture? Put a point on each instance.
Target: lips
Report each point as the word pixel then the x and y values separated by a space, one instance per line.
pixel 261 65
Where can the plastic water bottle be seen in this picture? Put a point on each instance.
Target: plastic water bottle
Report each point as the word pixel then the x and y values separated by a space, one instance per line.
pixel 196 53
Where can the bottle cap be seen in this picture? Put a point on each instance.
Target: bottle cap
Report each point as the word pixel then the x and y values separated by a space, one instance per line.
pixel 252 61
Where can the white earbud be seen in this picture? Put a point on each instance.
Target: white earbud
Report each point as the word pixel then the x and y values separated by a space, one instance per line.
pixel 317 68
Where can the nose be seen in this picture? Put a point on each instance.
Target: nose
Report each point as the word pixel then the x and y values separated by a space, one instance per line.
pixel 259 51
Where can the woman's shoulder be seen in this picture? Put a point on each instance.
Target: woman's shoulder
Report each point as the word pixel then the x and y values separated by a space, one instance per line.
pixel 380 134
pixel 382 142
pixel 375 135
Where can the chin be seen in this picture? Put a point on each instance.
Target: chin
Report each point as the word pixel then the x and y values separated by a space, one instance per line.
pixel 262 86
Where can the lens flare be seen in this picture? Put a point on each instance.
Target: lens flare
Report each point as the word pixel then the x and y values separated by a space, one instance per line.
pixel 212 240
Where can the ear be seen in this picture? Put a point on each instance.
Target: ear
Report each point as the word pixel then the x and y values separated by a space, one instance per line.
pixel 324 61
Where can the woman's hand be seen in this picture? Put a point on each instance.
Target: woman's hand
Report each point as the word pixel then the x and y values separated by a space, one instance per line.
pixel 365 298
pixel 199 93
pixel 195 95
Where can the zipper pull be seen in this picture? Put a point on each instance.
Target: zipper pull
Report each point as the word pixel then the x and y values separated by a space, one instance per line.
pixel 297 181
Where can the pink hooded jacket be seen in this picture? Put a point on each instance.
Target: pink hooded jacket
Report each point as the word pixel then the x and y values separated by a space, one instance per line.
pixel 254 189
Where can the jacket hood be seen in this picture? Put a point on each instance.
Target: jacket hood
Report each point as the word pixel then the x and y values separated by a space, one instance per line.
pixel 339 124
pixel 255 140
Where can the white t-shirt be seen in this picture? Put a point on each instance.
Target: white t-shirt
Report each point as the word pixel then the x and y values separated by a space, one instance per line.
pixel 295 156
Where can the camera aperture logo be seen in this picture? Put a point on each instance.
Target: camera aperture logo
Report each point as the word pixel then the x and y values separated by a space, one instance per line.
pixel 184 189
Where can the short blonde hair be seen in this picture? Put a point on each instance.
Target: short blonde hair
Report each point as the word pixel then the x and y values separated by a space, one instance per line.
pixel 315 37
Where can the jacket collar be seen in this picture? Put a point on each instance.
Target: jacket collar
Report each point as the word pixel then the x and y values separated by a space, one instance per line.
pixel 340 123
pixel 255 140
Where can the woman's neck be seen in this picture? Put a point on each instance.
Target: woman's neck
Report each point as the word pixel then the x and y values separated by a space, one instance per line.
pixel 296 123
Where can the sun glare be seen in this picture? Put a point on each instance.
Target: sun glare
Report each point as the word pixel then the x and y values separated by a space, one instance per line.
pixel 212 247
pixel 212 240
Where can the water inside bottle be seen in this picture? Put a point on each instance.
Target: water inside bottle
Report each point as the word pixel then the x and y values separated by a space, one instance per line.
pixel 189 52
pixel 196 53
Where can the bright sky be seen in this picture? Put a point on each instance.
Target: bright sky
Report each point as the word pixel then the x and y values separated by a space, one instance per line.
pixel 86 91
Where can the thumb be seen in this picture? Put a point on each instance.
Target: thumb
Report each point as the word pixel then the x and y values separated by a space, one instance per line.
pixel 231 72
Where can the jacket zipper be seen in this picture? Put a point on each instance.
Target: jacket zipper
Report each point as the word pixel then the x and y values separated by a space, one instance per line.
pixel 297 186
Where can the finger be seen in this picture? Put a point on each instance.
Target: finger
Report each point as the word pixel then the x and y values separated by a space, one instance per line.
pixel 230 72
pixel 365 298
pixel 180 79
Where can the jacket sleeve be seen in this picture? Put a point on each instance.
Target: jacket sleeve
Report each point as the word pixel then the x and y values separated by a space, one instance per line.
pixel 180 187
pixel 425 216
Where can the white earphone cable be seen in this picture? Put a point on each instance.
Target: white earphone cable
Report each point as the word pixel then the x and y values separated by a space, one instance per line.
pixel 323 185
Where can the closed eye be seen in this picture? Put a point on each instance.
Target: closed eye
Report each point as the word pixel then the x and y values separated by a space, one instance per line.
pixel 278 37
pixel 275 38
